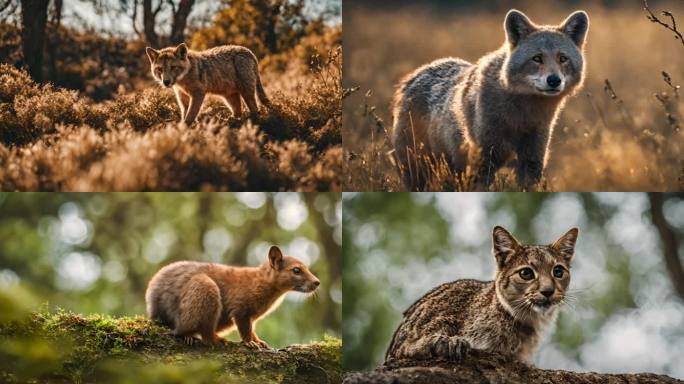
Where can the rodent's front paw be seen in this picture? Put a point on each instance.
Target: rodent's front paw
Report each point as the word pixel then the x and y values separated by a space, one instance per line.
pixel 252 344
pixel 453 348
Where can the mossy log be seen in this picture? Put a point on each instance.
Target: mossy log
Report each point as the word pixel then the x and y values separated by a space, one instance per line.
pixel 67 347
pixel 483 367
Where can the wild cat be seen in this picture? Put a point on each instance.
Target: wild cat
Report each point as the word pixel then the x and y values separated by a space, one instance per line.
pixel 508 315
pixel 229 71
pixel 504 105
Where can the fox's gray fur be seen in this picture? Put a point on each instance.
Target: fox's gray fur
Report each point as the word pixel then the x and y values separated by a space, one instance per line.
pixel 229 71
pixel 503 105
pixel 508 315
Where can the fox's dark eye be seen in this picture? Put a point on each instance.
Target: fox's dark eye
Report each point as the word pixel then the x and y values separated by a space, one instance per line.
pixel 563 58
pixel 558 271
pixel 537 59
pixel 296 270
pixel 526 273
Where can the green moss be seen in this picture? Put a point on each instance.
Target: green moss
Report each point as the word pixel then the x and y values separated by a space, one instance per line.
pixel 99 348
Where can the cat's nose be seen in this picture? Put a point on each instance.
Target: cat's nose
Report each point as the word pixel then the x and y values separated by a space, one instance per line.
pixel 547 292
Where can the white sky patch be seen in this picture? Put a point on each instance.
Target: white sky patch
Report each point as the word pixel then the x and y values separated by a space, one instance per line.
pixel 253 200
pixel 304 249
pixel 467 216
pixel 158 246
pixel 291 210
pixel 557 216
pixel 114 271
pixel 258 253
pixel 8 278
pixel 73 229
pixel 78 271
pixel 216 242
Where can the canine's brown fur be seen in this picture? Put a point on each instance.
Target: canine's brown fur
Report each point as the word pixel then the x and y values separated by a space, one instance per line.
pixel 206 299
pixel 229 71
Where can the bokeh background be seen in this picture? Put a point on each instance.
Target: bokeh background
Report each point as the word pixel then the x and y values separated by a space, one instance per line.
pixel 625 137
pixel 95 253
pixel 628 314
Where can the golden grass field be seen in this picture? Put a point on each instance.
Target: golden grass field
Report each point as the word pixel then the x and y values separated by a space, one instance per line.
pixel 627 138
pixel 53 139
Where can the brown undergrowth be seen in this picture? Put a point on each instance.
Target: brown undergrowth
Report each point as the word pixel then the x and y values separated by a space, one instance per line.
pixel 57 139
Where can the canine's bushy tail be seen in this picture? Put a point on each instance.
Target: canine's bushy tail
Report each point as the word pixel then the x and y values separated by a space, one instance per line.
pixel 260 91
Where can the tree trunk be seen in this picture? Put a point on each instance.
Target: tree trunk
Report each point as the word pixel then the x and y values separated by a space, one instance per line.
pixel 33 20
pixel 149 18
pixel 180 20
pixel 484 367
pixel 668 238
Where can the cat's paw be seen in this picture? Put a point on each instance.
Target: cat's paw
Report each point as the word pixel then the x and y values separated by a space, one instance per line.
pixel 449 347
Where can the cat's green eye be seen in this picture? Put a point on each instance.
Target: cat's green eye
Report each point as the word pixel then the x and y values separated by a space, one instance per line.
pixel 526 273
pixel 558 272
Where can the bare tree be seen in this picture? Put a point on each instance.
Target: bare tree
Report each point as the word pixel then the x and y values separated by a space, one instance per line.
pixel 668 237
pixel 179 19
pixel 33 20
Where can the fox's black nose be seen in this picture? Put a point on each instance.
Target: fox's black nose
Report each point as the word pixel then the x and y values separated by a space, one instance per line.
pixel 553 81
pixel 547 292
pixel 167 82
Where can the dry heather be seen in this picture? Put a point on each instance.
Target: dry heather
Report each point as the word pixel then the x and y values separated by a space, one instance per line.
pixel 623 131
pixel 55 139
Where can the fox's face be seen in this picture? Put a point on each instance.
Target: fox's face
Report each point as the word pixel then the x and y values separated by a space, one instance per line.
pixel 544 60
pixel 169 65
pixel 532 279
pixel 291 273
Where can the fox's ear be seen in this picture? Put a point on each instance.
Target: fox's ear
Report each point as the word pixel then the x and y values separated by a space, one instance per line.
pixel 517 27
pixel 182 51
pixel 566 244
pixel 152 54
pixel 576 27
pixel 275 257
pixel 504 245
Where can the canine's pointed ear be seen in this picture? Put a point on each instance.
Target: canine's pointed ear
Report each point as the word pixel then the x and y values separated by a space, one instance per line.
pixel 566 244
pixel 504 245
pixel 275 257
pixel 152 54
pixel 576 27
pixel 182 51
pixel 517 27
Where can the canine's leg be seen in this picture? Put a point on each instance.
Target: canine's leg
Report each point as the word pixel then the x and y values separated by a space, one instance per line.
pixel 531 159
pixel 183 102
pixel 233 100
pixel 196 100
pixel 492 157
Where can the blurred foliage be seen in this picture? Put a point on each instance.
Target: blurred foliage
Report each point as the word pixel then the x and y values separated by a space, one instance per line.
pixel 397 246
pixel 95 253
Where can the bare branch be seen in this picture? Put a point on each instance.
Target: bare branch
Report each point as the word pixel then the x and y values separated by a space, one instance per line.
pixel 673 27
pixel 669 241
pixel 4 5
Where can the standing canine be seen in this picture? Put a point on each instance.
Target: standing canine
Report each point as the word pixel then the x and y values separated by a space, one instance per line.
pixel 505 104
pixel 229 71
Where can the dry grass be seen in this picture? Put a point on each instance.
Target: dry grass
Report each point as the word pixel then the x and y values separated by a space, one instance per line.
pixel 55 139
pixel 621 132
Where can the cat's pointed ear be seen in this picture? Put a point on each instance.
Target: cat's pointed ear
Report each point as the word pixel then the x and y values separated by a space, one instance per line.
pixel 275 257
pixel 517 26
pixel 504 245
pixel 565 246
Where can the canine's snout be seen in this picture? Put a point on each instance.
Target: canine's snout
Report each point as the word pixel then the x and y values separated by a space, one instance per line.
pixel 553 81
pixel 167 82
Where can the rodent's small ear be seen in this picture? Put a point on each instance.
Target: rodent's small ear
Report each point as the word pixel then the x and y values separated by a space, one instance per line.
pixel 275 257
pixel 504 245
pixel 152 54
pixel 576 27
pixel 517 27
pixel 182 51
pixel 565 246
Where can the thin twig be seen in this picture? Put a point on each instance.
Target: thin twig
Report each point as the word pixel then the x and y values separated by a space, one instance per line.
pixel 654 19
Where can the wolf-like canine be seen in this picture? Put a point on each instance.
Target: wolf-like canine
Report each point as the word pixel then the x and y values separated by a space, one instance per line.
pixel 505 104
pixel 230 71
pixel 508 315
